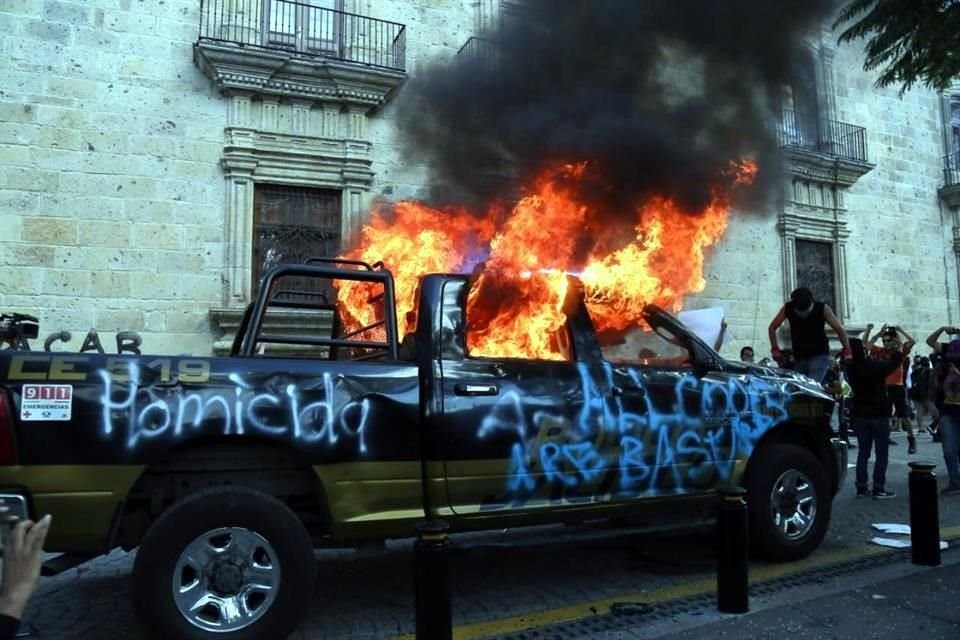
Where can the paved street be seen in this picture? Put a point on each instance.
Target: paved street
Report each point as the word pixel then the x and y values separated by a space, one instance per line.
pixel 494 575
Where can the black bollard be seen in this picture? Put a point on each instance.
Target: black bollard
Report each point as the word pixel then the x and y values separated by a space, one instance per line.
pixel 732 594
pixel 924 515
pixel 434 620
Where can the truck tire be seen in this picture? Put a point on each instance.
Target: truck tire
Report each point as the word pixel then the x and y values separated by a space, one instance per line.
pixel 789 503
pixel 225 563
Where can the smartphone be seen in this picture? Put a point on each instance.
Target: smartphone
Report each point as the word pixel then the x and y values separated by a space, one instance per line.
pixel 16 506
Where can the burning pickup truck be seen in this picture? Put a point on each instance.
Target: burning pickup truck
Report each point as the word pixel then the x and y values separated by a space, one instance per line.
pixel 228 472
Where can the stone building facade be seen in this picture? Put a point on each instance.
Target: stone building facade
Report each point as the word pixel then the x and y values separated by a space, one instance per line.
pixel 154 156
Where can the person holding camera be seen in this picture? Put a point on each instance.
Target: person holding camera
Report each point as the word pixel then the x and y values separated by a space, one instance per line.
pixel 895 340
pixel 949 402
pixel 870 415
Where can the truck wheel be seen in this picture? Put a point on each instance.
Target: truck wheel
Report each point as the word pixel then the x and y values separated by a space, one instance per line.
pixel 225 563
pixel 789 503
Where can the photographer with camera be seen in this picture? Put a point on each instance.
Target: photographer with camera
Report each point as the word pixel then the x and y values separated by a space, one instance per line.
pixel 895 340
pixel 948 375
pixel 870 415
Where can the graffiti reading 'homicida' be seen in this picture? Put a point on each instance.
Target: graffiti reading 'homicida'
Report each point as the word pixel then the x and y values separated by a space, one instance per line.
pixel 152 412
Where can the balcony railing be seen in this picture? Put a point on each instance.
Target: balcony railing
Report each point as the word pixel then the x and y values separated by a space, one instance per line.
pixel 951 169
pixel 302 29
pixel 825 136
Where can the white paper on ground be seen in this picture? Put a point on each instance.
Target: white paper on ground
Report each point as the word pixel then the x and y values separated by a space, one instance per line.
pixel 704 322
pixel 900 544
pixel 890 542
pixel 898 529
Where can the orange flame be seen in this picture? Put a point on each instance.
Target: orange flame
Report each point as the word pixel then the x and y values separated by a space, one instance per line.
pixel 515 304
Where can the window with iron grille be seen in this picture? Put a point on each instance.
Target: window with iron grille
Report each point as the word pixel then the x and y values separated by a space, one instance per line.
pixel 291 224
pixel 815 269
pixel 951 163
pixel 799 107
pixel 955 123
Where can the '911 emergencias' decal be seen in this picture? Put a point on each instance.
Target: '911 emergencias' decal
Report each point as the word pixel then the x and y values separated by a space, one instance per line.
pixel 46 402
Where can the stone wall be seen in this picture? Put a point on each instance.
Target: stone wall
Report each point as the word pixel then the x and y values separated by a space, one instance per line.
pixel 112 196
pixel 901 267
pixel 111 199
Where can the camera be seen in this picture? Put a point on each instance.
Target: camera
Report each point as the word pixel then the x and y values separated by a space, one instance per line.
pixel 17 326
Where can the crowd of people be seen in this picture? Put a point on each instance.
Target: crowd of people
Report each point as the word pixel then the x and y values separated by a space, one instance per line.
pixel 878 388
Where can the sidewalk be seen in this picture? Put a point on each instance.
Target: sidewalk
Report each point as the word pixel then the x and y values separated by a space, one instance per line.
pixel 921 604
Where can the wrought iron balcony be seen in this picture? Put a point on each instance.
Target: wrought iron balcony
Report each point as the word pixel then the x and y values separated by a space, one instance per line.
pixel 820 135
pixel 478 51
pixel 950 191
pixel 304 30
pixel 951 169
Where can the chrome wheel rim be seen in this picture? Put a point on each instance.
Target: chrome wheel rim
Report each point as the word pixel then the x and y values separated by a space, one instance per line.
pixel 226 579
pixel 793 505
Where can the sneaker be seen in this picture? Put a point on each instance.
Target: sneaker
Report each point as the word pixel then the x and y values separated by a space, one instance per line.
pixel 893 442
pixel 883 495
pixel 950 490
pixel 863 493
pixel 913 445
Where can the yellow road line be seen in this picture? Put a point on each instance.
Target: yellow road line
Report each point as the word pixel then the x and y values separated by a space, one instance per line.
pixel 570 613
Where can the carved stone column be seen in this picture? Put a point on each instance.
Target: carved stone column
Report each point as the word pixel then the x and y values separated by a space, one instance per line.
pixel 331 120
pixel 240 112
pixel 300 117
pixel 239 232
pixel 353 213
pixel 826 93
pixel 788 252
pixel 270 114
pixel 358 123
pixel 842 233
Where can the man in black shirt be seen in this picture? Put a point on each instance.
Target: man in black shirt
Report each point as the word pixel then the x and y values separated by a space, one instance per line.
pixel 870 414
pixel 811 348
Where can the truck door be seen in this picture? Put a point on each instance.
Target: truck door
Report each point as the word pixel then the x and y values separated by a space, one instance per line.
pixel 516 433
pixel 657 409
pixel 674 414
pixel 685 423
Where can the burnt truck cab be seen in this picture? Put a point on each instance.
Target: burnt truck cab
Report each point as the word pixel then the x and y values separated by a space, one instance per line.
pixel 656 421
pixel 228 472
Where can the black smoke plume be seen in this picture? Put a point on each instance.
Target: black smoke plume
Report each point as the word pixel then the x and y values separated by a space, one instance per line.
pixel 658 95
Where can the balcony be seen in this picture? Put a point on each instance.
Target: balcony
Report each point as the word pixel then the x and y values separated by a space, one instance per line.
pixel 478 52
pixel 823 149
pixel 298 50
pixel 950 191
pixel 820 135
